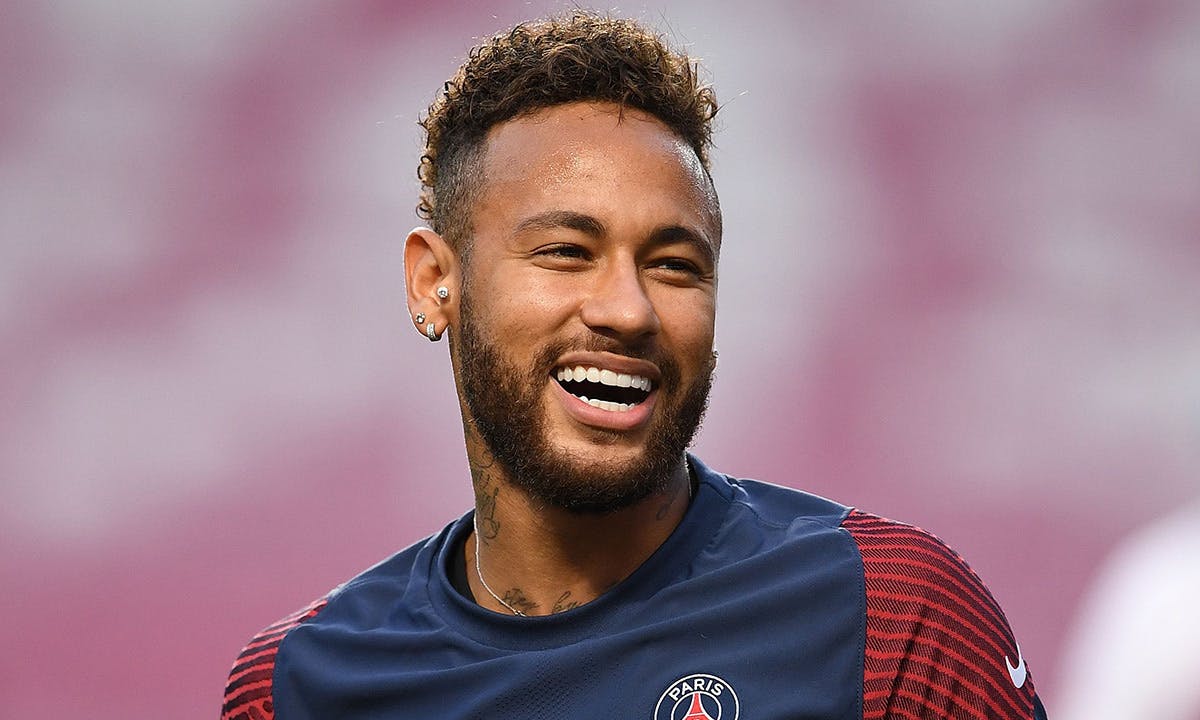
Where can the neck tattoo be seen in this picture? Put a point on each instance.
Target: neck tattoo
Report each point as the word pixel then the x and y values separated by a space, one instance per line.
pixel 479 572
pixel 479 569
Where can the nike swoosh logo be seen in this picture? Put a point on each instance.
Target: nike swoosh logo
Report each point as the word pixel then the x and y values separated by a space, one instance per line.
pixel 1016 673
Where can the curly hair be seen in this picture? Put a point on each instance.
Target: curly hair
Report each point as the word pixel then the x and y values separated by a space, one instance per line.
pixel 579 57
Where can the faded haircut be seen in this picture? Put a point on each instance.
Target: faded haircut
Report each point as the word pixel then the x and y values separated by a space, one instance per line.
pixel 575 58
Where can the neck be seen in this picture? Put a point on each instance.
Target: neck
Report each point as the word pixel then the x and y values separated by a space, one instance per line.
pixel 529 559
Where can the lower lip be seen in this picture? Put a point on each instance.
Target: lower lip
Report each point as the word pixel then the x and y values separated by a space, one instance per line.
pixel 605 419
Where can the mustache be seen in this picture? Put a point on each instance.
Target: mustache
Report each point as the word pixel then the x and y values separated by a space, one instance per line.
pixel 600 343
pixel 647 350
pixel 545 359
pixel 548 356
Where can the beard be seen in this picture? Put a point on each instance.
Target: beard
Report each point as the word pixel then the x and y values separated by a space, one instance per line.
pixel 506 404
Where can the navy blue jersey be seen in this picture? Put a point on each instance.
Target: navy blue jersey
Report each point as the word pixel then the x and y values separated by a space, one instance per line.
pixel 765 603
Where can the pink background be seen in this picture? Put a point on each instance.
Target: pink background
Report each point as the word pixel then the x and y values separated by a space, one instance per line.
pixel 959 288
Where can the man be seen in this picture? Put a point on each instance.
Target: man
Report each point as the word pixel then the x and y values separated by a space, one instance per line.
pixel 606 573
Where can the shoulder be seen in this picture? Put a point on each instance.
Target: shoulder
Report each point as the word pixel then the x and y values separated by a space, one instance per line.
pixel 937 643
pixel 248 690
pixel 894 552
pixel 796 534
pixel 771 505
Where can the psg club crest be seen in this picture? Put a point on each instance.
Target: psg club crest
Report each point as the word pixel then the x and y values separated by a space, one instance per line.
pixel 698 697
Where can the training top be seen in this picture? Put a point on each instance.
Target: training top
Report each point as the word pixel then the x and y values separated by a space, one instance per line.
pixel 765 603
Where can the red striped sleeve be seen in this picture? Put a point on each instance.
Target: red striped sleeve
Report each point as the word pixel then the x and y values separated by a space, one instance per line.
pixel 938 645
pixel 248 692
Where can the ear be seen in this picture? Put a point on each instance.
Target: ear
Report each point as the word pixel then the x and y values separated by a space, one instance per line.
pixel 429 264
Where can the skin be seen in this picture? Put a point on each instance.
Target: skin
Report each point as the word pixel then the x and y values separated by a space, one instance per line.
pixel 597 226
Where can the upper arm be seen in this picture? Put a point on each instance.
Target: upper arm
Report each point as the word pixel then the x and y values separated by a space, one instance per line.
pixel 937 643
pixel 249 690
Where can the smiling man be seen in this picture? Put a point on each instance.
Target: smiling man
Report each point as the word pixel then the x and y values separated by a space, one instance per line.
pixel 604 572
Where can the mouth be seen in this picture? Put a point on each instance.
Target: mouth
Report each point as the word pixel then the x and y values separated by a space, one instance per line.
pixel 603 388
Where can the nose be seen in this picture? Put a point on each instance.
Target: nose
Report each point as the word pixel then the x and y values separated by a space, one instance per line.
pixel 618 305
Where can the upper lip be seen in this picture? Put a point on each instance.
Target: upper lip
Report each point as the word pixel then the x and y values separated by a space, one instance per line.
pixel 610 361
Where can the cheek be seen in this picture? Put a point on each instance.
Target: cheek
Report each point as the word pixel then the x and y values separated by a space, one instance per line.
pixel 530 304
pixel 690 328
pixel 545 295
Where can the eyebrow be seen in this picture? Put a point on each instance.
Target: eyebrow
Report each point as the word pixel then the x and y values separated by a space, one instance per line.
pixel 552 219
pixel 678 234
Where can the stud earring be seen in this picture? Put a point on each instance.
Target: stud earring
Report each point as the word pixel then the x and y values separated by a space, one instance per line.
pixel 431 332
pixel 420 318
pixel 443 293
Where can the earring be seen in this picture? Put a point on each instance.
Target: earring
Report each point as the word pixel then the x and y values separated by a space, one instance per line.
pixel 420 318
pixel 443 293
pixel 431 332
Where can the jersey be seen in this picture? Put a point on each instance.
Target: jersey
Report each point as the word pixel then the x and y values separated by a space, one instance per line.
pixel 765 603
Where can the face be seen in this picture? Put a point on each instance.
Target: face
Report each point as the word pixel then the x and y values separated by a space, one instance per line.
pixel 583 350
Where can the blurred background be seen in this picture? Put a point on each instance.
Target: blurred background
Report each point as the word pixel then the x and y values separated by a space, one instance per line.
pixel 960 286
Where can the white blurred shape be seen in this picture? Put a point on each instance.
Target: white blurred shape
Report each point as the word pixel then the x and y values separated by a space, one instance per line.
pixel 1133 651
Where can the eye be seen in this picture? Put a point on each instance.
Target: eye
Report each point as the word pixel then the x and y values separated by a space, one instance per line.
pixel 562 256
pixel 678 265
pixel 563 251
pixel 678 268
pixel 680 271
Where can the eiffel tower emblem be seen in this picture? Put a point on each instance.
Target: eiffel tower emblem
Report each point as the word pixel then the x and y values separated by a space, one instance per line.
pixel 697 711
pixel 705 697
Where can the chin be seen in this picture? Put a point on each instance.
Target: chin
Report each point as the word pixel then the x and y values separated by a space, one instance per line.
pixel 594 481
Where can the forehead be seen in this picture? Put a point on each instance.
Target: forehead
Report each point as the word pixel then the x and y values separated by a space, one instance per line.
pixel 591 156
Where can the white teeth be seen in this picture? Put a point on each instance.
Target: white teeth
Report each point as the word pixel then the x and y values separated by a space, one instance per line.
pixel 605 377
pixel 606 405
